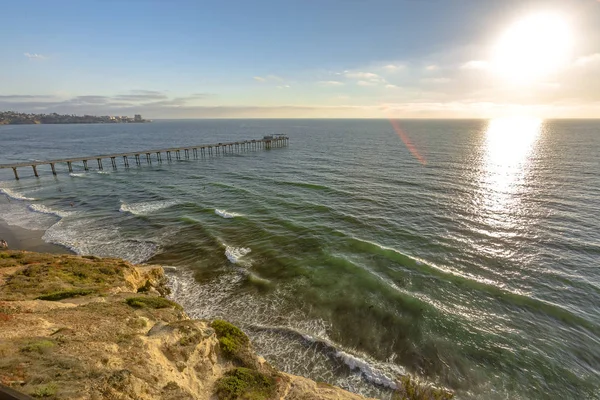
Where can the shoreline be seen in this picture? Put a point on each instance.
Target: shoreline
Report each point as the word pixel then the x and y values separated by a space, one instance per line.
pixel 19 238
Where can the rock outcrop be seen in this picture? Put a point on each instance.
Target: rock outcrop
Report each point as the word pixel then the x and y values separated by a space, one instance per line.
pixel 89 328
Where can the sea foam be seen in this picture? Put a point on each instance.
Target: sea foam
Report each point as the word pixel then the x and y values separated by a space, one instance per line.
pixel 47 210
pixel 226 214
pixel 15 195
pixel 147 207
pixel 234 254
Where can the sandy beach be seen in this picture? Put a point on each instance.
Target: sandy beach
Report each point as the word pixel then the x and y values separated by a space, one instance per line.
pixel 24 239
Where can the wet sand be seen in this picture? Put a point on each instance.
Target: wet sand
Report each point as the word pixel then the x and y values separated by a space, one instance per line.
pixel 24 239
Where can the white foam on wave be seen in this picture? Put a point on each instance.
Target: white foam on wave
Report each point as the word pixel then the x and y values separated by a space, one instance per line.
pixel 370 371
pixel 19 214
pixel 226 214
pixel 103 172
pixel 278 332
pixel 234 254
pixel 77 175
pixel 86 236
pixel 47 210
pixel 15 195
pixel 146 207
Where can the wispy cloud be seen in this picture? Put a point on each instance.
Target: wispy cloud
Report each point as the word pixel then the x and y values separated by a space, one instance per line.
pixel 34 56
pixel 475 64
pixel 365 78
pixel 393 67
pixel 18 97
pixel 134 101
pixel 271 78
pixel 432 67
pixel 330 83
pixel 436 80
pixel 362 75
pixel 141 95
pixel 283 86
pixel 366 83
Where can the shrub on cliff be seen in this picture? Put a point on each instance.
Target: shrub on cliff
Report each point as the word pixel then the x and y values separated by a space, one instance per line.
pixel 244 383
pixel 65 294
pixel 151 302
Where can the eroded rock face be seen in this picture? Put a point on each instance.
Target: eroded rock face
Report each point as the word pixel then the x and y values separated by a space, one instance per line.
pixel 108 334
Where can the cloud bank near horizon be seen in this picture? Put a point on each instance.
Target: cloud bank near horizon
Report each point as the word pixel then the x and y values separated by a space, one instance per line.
pixel 445 89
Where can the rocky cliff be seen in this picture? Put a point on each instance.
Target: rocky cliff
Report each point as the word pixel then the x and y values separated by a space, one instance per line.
pixel 89 328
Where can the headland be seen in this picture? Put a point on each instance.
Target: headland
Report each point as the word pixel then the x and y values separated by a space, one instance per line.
pixel 17 118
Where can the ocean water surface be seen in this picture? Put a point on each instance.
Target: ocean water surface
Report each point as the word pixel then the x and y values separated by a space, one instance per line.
pixel 464 252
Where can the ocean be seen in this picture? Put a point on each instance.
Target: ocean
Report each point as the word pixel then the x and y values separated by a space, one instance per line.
pixel 464 252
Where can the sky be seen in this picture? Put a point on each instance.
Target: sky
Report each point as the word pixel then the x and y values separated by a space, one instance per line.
pixel 302 59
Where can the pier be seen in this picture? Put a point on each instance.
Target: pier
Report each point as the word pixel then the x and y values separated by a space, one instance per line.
pixel 156 155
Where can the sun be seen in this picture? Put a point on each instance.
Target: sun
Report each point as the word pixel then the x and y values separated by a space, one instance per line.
pixel 533 48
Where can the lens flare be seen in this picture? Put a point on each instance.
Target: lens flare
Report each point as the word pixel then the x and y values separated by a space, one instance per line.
pixel 407 142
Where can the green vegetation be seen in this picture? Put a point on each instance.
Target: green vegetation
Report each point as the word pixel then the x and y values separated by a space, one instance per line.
pixel 411 389
pixel 151 302
pixel 48 390
pixel 40 346
pixel 244 383
pixel 65 294
pixel 50 277
pixel 234 343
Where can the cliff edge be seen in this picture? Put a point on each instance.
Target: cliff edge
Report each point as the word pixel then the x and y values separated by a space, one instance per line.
pixel 89 328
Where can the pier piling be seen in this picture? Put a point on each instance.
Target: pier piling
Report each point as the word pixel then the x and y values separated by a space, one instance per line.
pixel 267 142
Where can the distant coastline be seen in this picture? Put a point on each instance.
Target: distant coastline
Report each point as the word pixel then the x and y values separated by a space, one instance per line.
pixel 16 118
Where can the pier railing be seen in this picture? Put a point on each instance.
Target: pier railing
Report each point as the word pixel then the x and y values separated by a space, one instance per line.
pixel 180 153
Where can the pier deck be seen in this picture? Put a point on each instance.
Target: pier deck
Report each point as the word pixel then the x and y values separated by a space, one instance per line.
pixel 195 151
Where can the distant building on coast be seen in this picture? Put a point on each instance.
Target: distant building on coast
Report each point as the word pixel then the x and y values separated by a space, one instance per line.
pixel 14 118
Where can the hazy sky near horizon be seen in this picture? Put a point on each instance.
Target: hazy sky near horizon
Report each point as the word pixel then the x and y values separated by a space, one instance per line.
pixel 350 58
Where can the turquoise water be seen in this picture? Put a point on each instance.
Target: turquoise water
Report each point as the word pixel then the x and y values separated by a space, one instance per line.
pixel 465 252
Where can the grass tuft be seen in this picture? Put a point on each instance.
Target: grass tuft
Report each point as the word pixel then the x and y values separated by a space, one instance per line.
pixel 48 390
pixel 244 383
pixel 151 302
pixel 40 346
pixel 65 294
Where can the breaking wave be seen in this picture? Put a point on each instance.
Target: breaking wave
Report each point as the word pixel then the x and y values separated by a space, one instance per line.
pixel 226 214
pixel 15 195
pixel 146 207
pixel 47 210
pixel 234 254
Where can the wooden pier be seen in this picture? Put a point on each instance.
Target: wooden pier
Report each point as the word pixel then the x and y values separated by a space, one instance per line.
pixel 180 153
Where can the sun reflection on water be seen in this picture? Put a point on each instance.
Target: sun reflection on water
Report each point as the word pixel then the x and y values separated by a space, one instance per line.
pixel 509 147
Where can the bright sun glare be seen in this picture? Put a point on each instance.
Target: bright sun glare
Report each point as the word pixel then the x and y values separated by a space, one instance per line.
pixel 533 47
